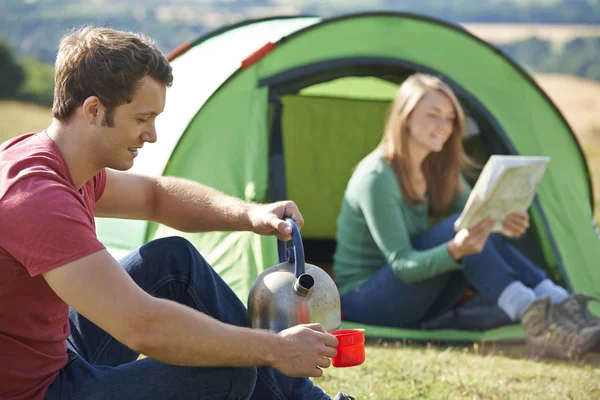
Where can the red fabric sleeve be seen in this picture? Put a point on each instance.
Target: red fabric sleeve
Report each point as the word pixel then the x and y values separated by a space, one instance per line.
pixel 50 224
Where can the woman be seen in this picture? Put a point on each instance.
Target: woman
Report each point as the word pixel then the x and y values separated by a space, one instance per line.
pixel 392 269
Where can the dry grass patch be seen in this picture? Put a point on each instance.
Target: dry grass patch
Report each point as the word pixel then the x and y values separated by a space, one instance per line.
pixel 18 118
pixel 577 98
pixel 579 101
pixel 557 33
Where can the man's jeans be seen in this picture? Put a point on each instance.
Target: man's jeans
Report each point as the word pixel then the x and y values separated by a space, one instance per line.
pixel 386 300
pixel 100 367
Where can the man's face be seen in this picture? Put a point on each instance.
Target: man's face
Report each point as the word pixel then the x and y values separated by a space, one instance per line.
pixel 133 125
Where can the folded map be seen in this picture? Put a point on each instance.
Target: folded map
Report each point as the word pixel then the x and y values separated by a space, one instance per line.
pixel 506 184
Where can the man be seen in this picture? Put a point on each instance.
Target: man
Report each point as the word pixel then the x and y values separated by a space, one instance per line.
pixel 73 322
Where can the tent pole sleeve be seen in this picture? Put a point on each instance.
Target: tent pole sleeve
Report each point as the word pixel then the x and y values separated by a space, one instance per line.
pixel 277 183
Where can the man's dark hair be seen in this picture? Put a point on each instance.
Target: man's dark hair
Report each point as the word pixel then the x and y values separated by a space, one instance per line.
pixel 105 63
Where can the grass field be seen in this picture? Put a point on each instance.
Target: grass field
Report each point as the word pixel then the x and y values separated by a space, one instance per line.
pixel 579 101
pixel 19 118
pixel 482 371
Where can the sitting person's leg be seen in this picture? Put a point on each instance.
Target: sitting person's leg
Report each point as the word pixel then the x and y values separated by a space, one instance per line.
pixel 502 274
pixel 386 300
pixel 499 272
pixel 530 274
pixel 525 293
pixel 442 314
pixel 172 268
pixel 149 379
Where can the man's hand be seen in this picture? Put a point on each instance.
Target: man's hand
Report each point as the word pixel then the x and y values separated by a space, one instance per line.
pixel 515 224
pixel 267 219
pixel 306 349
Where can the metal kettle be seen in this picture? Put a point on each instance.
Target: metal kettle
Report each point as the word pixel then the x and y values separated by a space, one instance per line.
pixel 293 292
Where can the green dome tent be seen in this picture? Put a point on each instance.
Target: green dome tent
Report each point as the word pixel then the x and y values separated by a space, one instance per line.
pixel 285 108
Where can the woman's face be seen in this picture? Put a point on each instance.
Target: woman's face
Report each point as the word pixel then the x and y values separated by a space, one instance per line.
pixel 431 122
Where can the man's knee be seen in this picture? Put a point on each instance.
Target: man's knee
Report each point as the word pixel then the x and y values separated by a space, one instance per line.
pixel 174 253
pixel 171 244
pixel 172 247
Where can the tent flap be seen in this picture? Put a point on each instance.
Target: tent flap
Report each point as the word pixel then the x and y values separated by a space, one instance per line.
pixel 324 138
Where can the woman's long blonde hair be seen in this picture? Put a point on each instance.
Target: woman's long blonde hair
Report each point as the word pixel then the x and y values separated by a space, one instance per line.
pixel 441 169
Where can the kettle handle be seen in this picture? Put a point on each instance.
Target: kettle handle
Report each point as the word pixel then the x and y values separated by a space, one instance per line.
pixel 295 253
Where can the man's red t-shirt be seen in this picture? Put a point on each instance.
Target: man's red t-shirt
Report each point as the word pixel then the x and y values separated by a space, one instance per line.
pixel 45 222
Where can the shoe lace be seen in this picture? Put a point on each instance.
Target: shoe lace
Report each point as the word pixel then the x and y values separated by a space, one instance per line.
pixel 574 309
pixel 583 299
pixel 567 340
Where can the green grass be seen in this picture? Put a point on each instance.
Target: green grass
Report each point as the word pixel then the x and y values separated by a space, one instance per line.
pixel 483 371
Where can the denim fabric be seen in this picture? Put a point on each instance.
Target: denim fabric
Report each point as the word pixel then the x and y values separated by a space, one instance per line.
pixel 100 367
pixel 386 300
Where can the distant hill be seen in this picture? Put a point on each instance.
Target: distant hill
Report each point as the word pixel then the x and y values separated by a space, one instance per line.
pixel 34 27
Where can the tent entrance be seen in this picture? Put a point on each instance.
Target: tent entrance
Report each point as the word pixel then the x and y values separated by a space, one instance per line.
pixel 324 123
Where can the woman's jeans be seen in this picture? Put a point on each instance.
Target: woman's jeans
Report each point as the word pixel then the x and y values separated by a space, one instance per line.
pixel 386 300
pixel 99 367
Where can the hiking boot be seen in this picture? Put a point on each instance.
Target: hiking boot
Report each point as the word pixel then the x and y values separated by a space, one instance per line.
pixel 574 310
pixel 548 334
pixel 535 318
pixel 575 307
pixel 343 396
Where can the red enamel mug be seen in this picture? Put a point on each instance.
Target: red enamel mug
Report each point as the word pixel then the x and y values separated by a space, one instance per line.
pixel 350 349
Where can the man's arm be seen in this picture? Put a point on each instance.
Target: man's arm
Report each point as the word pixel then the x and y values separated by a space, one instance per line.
pixel 189 206
pixel 97 286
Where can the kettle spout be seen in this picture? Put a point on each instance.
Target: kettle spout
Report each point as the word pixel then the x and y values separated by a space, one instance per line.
pixel 303 286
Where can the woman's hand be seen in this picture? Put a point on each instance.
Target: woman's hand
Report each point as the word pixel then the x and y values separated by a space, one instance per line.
pixel 515 224
pixel 471 240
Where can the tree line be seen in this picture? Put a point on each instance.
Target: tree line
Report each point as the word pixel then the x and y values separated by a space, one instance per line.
pixel 31 80
pixel 579 57
pixel 35 27
pixel 25 79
